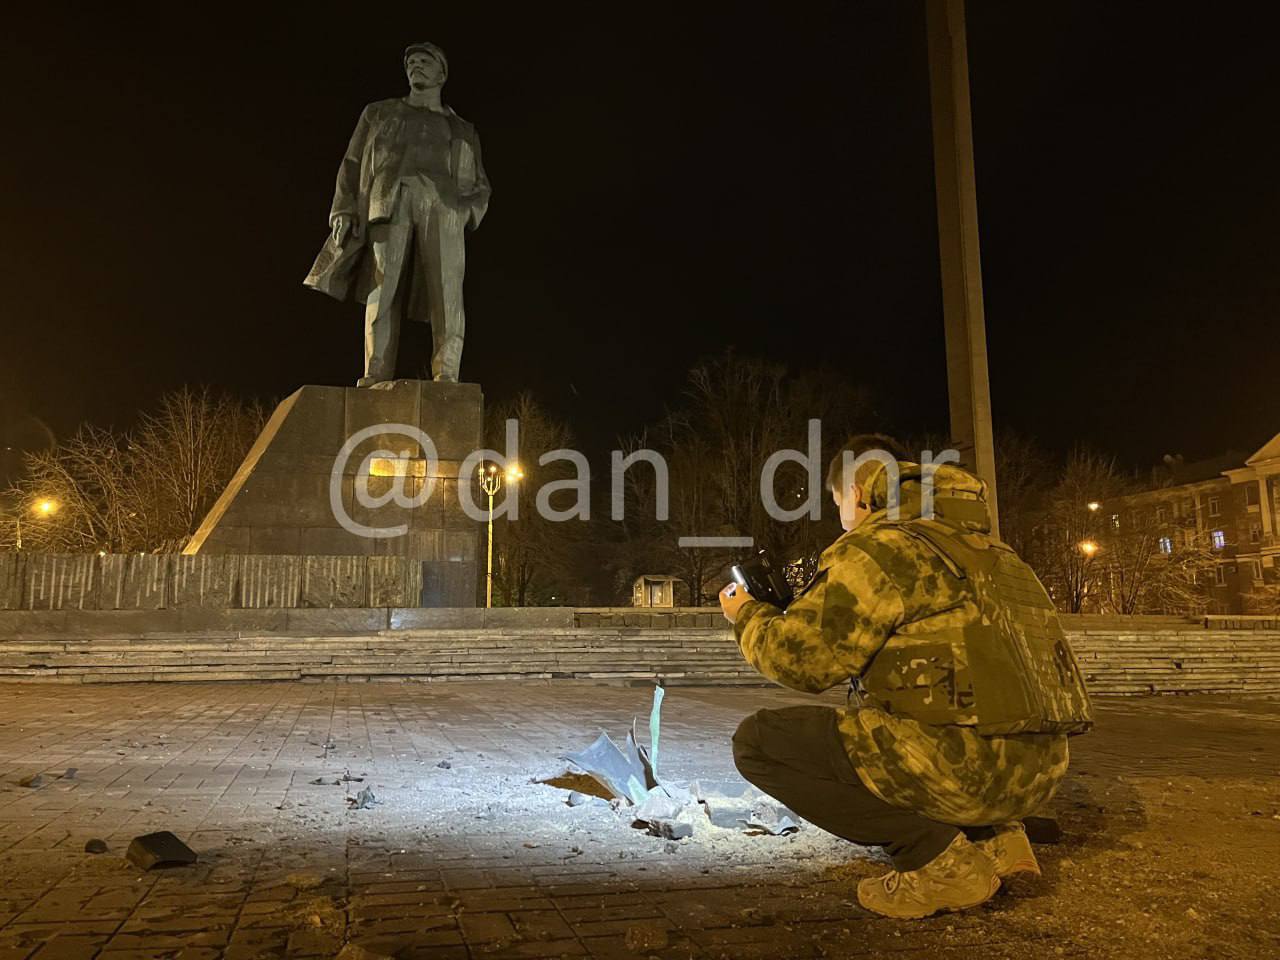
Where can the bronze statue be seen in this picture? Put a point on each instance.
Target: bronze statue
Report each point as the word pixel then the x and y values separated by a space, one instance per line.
pixel 410 184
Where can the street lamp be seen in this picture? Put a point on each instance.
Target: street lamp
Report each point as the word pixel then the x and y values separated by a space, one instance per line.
pixel 491 483
pixel 1094 506
pixel 45 507
pixel 1089 548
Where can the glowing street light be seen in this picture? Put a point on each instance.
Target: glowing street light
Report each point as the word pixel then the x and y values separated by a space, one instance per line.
pixel 1094 506
pixel 491 482
pixel 1089 548
pixel 44 507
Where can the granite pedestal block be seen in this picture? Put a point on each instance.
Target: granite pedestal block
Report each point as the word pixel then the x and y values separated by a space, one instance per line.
pixel 282 499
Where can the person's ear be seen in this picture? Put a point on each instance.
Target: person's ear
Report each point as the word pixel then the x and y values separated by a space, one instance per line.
pixel 858 499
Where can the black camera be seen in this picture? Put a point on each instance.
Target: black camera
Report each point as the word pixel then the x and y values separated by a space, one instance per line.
pixel 763 580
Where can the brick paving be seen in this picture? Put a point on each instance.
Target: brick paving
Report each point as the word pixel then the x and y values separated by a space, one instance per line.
pixel 1172 819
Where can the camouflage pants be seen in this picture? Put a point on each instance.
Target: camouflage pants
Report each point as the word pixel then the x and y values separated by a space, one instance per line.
pixel 797 756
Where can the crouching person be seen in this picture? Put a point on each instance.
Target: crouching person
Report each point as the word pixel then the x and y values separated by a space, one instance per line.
pixel 963 687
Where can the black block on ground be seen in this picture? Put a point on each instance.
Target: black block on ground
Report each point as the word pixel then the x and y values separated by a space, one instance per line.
pixel 155 851
pixel 1043 830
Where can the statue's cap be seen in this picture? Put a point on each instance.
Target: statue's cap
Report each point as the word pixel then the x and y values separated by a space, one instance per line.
pixel 429 48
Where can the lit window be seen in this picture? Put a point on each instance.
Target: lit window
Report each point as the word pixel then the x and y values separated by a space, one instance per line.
pixel 1115 521
pixel 1257 570
pixel 1219 539
pixel 1220 575
pixel 1166 545
pixel 1215 507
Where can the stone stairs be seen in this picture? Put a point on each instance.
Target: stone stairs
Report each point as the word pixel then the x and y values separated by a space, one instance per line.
pixel 1173 657
pixel 702 656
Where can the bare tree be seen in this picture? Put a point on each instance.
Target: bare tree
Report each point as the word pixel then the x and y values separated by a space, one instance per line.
pixel 1065 548
pixel 1022 470
pixel 186 452
pixel 533 554
pixel 144 491
pixel 735 414
pixel 1150 566
pixel 1263 600
pixel 1098 548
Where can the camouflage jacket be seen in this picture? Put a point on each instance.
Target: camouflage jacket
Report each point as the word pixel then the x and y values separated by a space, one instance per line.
pixel 834 629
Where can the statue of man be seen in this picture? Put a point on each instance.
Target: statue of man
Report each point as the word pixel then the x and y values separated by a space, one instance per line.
pixel 410 184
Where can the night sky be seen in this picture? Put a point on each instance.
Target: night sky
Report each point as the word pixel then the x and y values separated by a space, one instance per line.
pixel 667 183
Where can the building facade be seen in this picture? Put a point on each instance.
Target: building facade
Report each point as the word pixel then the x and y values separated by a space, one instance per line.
pixel 1231 506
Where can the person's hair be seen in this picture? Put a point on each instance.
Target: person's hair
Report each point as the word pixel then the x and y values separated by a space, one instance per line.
pixel 856 446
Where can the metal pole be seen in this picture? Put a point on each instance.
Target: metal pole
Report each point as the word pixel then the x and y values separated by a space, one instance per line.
pixel 488 586
pixel 17 524
pixel 967 379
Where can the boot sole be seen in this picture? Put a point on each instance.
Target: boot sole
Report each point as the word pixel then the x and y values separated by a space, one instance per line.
pixel 1021 868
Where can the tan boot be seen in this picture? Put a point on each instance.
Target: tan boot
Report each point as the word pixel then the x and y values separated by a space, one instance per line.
pixel 960 877
pixel 1011 851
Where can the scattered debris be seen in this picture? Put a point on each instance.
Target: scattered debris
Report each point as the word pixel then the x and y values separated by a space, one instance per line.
pixel 623 774
pixel 322 782
pixel 655 726
pixel 671 830
pixel 578 799
pixel 363 800
pixel 772 819
pixel 666 810
pixel 33 781
pixel 445 765
pixel 348 778
pixel 95 846
pixel 70 774
pixel 159 850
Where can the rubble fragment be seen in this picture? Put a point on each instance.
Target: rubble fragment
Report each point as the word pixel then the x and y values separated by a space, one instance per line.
pixel 33 781
pixel 155 851
pixel 622 773
pixel 95 846
pixel 1043 830
pixel 666 810
pixel 362 800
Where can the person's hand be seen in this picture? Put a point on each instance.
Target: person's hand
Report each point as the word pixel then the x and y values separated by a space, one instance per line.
pixel 344 224
pixel 732 598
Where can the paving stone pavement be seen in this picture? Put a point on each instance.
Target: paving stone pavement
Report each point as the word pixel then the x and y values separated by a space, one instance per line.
pixel 1171 813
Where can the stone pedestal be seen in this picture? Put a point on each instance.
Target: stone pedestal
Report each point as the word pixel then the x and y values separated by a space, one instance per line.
pixel 282 499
